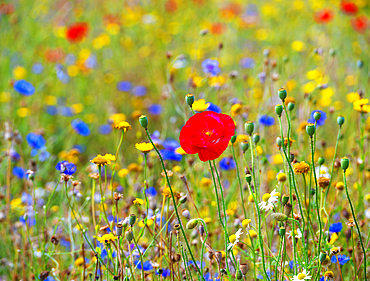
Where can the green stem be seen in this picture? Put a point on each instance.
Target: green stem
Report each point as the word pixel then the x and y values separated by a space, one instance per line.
pixel 239 181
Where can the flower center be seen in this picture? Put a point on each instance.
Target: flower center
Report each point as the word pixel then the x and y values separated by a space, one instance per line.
pixel 266 197
pixel 209 133
pixel 301 276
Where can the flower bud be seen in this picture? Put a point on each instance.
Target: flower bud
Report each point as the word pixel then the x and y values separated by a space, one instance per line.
pixel 248 178
pixel 282 231
pixel 287 209
pixel 183 199
pixel 282 94
pixel 279 217
pixel 285 199
pixel 256 138
pixel 191 224
pixel 129 236
pixel 340 120
pixel 310 129
pixel 239 275
pixel 119 228
pixel 279 109
pixel 322 257
pixel 317 115
pixel 312 191
pixel 291 106
pixel 132 219
pixel 244 268
pixel 249 127
pixel 189 98
pixel 279 142
pixel 321 161
pixel 344 163
pixel 143 120
pixel 233 139
pixel 244 146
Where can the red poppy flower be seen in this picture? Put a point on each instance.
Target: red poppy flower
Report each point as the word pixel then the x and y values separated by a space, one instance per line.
pixel 324 16
pixel 348 8
pixel 208 134
pixel 360 24
pixel 77 32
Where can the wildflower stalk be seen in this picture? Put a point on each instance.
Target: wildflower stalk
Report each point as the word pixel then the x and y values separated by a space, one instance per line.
pixel 258 210
pixel 101 195
pixel 93 203
pixel 203 244
pixel 354 218
pixel 239 181
pixel 316 192
pixel 141 256
pixel 174 202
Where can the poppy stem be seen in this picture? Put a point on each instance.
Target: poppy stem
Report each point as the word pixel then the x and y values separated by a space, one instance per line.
pixel 239 181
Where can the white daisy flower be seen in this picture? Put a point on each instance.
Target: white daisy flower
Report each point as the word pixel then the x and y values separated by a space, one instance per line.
pixel 234 239
pixel 302 276
pixel 298 233
pixel 322 171
pixel 268 200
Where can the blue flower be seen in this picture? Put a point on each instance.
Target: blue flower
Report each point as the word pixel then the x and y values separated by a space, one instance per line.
pixel 66 167
pixel 90 62
pixel 51 110
pixel 80 127
pixel 343 259
pixel 214 108
pixel 266 120
pixel 291 263
pixel 336 227
pixel 322 278
pixel 30 221
pixel 151 191
pixel 35 141
pixel 19 172
pixel 321 122
pixel 147 265
pixel 227 164
pixel 155 109
pixel 66 111
pixel 37 68
pixel 24 88
pixel 62 76
pixel 211 67
pixel 124 86
pixel 105 129
pixel 171 144
pixel 269 274
pixel 27 198
pixel 165 272
pixel 14 155
pixel 247 63
pixel 139 91
pixel 170 155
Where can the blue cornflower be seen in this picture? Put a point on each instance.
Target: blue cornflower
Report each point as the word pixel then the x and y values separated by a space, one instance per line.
pixel 139 91
pixel 37 68
pixel 30 221
pixel 322 278
pixel 291 263
pixel 227 164
pixel 80 147
pixel 51 110
pixel 155 109
pixel 151 191
pixel 343 259
pixel 171 144
pixel 266 120
pixel 321 121
pixel 62 76
pixel 27 198
pixel 269 274
pixel 35 141
pixel 198 263
pixel 19 172
pixel 211 67
pixel 43 154
pixel 91 62
pixel 24 88
pixel 336 227
pixel 170 155
pixel 247 63
pixel 214 108
pixel 124 86
pixel 66 111
pixel 80 127
pixel 147 265
pixel 105 129
pixel 66 167
pixel 14 155
pixel 165 272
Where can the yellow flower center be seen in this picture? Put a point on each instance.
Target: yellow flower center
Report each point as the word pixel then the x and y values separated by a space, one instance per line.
pixel 301 276
pixel 209 133
pixel 266 197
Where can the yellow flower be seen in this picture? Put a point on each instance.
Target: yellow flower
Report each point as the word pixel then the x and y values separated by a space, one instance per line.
pixel 107 238
pixel 138 201
pixel 361 105
pixel 252 233
pixel 144 147
pixel 352 97
pixel 125 126
pixel 242 138
pixel 205 182
pixel 123 173
pixel 180 151
pixel 236 109
pixel 99 160
pixel 79 262
pixel 109 157
pixel 200 105
pixel 246 222
pixel 281 177
pixel 301 168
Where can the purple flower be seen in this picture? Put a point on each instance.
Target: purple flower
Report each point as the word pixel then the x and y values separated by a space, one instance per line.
pixel 24 88
pixel 211 67
pixel 247 63
pixel 66 167
pixel 124 86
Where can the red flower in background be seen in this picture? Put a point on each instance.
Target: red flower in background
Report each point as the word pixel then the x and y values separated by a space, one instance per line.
pixel 324 16
pixel 348 8
pixel 360 24
pixel 77 32
pixel 208 134
pixel 54 55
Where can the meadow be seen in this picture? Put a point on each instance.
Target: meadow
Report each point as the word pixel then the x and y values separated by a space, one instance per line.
pixel 185 140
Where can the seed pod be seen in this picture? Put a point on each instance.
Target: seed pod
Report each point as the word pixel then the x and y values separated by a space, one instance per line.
pixel 249 127
pixel 287 209
pixel 282 94
pixel 143 120
pixel 244 268
pixel 279 216
pixel 191 224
